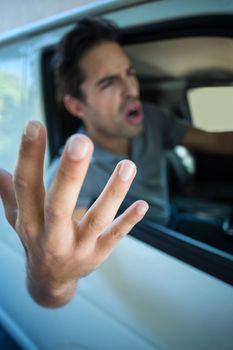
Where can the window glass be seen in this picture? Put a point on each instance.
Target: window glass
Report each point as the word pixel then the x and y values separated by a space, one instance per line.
pixel 212 108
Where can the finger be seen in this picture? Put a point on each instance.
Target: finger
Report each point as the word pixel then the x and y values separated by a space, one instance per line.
pixel 7 194
pixel 103 211
pixel 121 226
pixel 63 193
pixel 28 176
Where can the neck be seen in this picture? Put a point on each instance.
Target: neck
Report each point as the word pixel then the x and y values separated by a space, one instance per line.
pixel 114 144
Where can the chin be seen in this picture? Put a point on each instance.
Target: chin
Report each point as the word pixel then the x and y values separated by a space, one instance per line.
pixel 136 130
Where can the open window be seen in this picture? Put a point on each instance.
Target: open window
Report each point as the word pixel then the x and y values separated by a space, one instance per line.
pixel 185 67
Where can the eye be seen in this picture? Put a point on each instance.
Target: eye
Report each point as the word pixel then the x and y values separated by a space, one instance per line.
pixel 132 72
pixel 106 84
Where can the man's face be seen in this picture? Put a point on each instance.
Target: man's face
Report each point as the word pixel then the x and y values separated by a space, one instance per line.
pixel 111 107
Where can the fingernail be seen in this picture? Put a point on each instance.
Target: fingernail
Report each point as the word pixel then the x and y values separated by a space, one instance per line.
pixel 142 208
pixel 127 168
pixel 78 147
pixel 32 130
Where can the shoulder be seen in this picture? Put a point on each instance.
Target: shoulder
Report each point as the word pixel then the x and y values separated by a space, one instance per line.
pixel 154 115
pixel 151 109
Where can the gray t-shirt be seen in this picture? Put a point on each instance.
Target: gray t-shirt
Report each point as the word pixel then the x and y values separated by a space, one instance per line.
pixel 160 133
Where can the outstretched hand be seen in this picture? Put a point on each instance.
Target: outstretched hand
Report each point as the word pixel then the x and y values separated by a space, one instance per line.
pixel 60 249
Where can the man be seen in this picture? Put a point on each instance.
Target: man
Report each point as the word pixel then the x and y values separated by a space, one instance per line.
pixel 100 87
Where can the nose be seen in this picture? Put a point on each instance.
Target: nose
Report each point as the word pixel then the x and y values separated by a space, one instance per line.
pixel 130 87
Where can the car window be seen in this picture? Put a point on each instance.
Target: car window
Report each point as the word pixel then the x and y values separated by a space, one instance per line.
pixel 211 107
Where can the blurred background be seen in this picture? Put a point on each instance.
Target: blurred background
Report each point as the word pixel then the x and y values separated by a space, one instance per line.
pixel 17 13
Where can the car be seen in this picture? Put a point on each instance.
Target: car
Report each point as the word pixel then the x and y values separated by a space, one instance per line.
pixel 162 287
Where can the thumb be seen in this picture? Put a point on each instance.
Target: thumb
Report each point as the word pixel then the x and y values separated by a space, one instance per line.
pixel 7 194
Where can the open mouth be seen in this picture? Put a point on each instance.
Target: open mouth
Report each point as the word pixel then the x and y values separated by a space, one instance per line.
pixel 134 113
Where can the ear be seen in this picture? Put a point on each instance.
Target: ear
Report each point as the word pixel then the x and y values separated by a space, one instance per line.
pixel 74 106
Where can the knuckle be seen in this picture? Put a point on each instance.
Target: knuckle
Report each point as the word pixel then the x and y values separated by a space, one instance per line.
pixel 131 220
pixel 54 213
pixel 27 149
pixel 20 182
pixel 117 234
pixel 116 192
pixel 95 223
pixel 24 149
pixel 68 174
pixel 56 251
pixel 52 253
pixel 25 229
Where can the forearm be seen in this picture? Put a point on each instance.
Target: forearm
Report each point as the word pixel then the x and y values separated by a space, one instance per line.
pixel 224 143
pixel 212 142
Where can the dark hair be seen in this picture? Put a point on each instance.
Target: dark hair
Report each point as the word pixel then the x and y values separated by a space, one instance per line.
pixel 87 33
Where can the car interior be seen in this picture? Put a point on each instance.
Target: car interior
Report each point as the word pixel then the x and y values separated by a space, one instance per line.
pixel 201 190
pixel 179 66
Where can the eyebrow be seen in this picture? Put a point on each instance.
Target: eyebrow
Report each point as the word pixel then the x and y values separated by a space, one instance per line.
pixel 106 79
pixel 112 76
